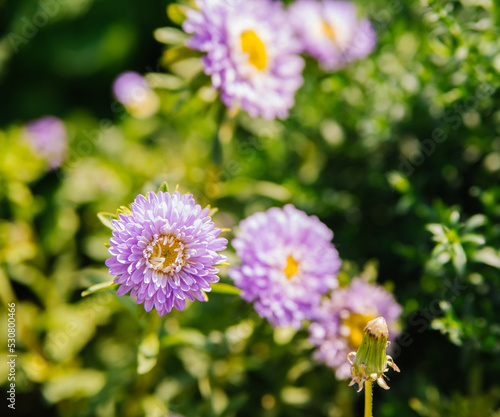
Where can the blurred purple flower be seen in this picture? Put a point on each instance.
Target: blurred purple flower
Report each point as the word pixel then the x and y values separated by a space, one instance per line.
pixel 251 53
pixel 331 32
pixel 164 251
pixel 339 322
pixel 287 263
pixel 47 136
pixel 132 90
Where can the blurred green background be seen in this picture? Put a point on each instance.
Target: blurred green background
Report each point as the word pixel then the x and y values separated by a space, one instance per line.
pixel 363 149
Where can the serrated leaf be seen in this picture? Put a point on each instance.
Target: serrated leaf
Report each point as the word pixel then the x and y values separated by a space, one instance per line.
pixel 103 286
pixel 222 288
pixel 106 218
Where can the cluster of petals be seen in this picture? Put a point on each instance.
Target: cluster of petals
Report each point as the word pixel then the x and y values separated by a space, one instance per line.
pixel 250 53
pixel 339 321
pixel 287 263
pixel 164 251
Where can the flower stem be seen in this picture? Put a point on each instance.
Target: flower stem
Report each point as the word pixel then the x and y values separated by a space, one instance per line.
pixel 368 398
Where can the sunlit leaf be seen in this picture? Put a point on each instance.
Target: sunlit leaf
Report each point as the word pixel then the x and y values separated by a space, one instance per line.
pixel 103 286
pixel 106 219
pixel 222 288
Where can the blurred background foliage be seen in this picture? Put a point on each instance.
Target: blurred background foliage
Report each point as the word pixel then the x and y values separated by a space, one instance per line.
pixel 399 154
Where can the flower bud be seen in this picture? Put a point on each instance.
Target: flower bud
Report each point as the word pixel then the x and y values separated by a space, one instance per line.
pixel 371 359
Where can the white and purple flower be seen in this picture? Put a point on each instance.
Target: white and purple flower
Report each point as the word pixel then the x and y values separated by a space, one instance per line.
pixel 287 263
pixel 339 322
pixel 251 53
pixel 164 251
pixel 331 31
pixel 48 139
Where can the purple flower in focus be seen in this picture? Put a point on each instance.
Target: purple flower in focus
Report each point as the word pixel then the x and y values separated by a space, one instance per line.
pixel 331 32
pixel 47 136
pixel 164 251
pixel 287 263
pixel 132 90
pixel 339 322
pixel 251 53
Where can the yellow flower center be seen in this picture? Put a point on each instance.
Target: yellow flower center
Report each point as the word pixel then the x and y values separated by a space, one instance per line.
pixel 167 253
pixel 252 45
pixel 291 268
pixel 328 30
pixel 356 324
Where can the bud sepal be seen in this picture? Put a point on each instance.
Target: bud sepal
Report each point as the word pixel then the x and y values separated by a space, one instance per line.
pixel 371 359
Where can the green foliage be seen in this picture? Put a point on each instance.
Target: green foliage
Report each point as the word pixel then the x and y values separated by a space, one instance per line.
pixel 399 154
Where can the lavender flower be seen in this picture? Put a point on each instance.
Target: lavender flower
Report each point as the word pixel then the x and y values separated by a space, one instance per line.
pixel 287 263
pixel 132 90
pixel 339 322
pixel 331 32
pixel 163 251
pixel 251 53
pixel 47 136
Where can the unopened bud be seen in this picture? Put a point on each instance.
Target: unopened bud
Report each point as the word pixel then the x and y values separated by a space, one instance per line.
pixel 371 359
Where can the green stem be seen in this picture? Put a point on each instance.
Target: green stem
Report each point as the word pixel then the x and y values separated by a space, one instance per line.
pixel 368 398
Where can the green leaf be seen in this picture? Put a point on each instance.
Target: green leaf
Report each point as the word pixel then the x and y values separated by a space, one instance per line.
pixel 147 354
pixel 177 13
pixel 222 288
pixel 488 256
pixel 473 238
pixel 436 229
pixel 106 218
pixel 163 187
pixel 170 36
pixel 474 222
pixel 212 211
pixel 459 258
pixel 103 286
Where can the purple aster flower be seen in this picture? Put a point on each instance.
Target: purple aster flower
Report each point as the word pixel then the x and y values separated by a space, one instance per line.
pixel 132 90
pixel 339 322
pixel 251 53
pixel 47 136
pixel 331 31
pixel 287 263
pixel 164 251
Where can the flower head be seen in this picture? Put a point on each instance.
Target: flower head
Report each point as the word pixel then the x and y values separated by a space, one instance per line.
pixel 250 53
pixel 47 136
pixel 164 251
pixel 339 322
pixel 371 359
pixel 331 32
pixel 132 90
pixel 287 263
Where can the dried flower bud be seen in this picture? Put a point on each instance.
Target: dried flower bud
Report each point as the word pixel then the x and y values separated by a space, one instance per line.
pixel 371 359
